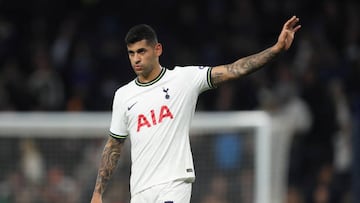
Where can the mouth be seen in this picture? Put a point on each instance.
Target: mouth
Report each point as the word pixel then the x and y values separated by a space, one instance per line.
pixel 137 67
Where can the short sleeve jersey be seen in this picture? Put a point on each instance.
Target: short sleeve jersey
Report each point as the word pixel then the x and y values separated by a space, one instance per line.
pixel 156 116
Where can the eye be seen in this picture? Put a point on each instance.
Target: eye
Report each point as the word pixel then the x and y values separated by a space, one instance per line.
pixel 141 51
pixel 131 53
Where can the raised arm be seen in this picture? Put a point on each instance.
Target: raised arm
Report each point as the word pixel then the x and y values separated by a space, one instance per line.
pixel 109 160
pixel 249 64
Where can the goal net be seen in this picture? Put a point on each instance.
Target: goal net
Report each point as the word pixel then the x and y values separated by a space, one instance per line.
pixel 53 157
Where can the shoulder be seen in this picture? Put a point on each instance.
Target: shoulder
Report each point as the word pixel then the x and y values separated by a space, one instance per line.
pixel 123 93
pixel 123 90
pixel 190 69
pixel 194 71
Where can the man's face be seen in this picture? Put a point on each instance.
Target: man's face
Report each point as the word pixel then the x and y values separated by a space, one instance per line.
pixel 144 57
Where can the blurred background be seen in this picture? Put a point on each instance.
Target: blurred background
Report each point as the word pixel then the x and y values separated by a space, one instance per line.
pixel 70 56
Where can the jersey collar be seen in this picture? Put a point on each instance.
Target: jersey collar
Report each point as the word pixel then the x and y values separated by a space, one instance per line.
pixel 163 70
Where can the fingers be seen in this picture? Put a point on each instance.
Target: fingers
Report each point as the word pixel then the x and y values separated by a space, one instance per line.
pixel 291 24
pixel 296 28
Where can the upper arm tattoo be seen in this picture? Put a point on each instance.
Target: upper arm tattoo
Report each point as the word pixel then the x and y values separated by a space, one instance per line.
pixel 217 77
pixel 109 160
pixel 242 66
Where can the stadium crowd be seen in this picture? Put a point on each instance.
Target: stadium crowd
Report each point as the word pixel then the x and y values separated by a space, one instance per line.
pixel 70 56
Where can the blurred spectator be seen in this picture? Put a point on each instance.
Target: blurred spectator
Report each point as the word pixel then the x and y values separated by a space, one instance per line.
pixel 291 119
pixel 342 143
pixel 59 187
pixel 228 152
pixel 32 162
pixel 218 191
pixel 316 147
pixel 294 195
pixel 12 91
pixel 320 190
pixel 61 47
pixel 81 74
pixel 45 86
pixel 342 155
pixel 8 39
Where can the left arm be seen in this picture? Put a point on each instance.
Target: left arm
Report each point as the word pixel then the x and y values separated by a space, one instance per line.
pixel 249 64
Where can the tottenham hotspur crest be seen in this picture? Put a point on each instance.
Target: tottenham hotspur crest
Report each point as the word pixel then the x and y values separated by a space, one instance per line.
pixel 165 90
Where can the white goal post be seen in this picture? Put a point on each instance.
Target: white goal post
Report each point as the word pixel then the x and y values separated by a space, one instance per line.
pixel 96 124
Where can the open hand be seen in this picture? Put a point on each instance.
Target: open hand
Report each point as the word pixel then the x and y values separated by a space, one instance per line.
pixel 286 36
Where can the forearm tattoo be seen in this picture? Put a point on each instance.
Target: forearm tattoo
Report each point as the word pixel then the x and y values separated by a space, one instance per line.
pixel 109 160
pixel 251 63
pixel 244 66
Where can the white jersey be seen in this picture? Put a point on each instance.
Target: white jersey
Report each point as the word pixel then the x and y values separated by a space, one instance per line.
pixel 157 116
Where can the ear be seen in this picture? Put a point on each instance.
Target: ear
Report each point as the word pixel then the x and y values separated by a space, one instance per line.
pixel 158 49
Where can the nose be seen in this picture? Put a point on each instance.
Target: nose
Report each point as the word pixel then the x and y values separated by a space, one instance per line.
pixel 137 58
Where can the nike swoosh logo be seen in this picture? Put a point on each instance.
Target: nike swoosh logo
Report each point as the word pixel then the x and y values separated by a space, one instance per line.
pixel 129 108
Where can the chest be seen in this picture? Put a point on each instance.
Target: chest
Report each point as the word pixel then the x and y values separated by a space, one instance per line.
pixel 150 106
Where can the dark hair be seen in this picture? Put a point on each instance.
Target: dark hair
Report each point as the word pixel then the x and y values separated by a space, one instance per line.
pixel 141 32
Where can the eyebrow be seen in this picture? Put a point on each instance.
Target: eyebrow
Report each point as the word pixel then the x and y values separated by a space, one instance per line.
pixel 137 51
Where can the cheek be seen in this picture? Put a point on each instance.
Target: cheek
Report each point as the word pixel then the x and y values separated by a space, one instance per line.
pixel 130 58
pixel 133 60
pixel 147 59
